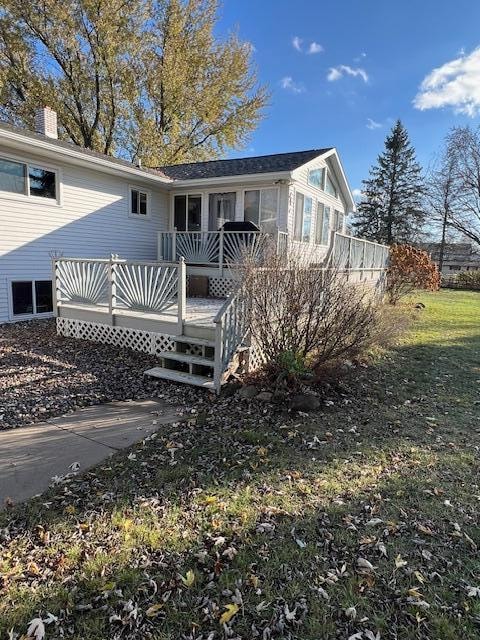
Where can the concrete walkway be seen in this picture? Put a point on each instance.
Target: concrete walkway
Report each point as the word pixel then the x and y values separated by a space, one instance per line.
pixel 31 456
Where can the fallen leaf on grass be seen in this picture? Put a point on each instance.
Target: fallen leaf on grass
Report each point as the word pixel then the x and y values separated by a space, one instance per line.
pixel 188 579
pixel 363 563
pixel 351 613
pixel 231 610
pixel 420 577
pixel 154 610
pixel 424 529
pixel 36 629
pixel 373 522
pixel 400 562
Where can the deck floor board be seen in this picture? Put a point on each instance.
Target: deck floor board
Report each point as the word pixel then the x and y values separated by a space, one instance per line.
pixel 198 311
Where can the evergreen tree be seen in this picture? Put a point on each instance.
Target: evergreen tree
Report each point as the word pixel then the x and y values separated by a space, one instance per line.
pixel 391 208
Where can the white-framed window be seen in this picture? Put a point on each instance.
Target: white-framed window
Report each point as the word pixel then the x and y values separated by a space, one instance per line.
pixel 187 212
pixel 139 202
pixel 303 217
pixel 338 218
pixel 260 206
pixel 30 298
pixel 322 224
pixel 315 177
pixel 28 179
pixel 330 186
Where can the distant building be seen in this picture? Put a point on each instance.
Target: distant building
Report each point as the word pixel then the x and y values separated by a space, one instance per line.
pixel 458 256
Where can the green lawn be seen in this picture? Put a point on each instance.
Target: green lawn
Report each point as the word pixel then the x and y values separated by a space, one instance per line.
pixel 361 519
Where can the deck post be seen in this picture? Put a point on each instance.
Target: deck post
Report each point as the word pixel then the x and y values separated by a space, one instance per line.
pixel 160 242
pixel 220 252
pixel 54 287
pixel 112 288
pixel 362 274
pixel 182 294
pixel 349 265
pixel 173 257
pixel 217 369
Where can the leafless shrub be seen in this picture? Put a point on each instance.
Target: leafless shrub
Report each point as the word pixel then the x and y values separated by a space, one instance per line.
pixel 303 314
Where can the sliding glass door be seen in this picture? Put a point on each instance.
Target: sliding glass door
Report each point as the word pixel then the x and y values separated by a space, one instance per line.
pixel 187 212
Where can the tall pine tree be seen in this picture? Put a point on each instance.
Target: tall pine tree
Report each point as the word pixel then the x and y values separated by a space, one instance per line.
pixel 391 208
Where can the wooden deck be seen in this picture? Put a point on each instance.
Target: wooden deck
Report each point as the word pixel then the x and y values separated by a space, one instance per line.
pixel 199 315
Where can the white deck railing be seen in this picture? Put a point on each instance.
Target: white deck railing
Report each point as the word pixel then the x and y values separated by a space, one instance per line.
pixel 214 248
pixel 121 285
pixel 356 255
pixel 231 327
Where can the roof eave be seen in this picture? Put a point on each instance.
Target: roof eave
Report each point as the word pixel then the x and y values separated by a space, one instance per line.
pixel 79 157
pixel 238 178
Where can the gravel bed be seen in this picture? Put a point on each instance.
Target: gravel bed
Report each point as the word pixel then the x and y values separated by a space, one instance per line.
pixel 43 375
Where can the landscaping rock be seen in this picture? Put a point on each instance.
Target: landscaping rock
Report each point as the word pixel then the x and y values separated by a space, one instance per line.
pixel 303 402
pixel 265 396
pixel 279 397
pixel 231 388
pixel 249 391
pixel 43 375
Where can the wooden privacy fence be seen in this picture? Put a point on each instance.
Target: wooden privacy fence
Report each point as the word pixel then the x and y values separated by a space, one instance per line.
pixel 121 285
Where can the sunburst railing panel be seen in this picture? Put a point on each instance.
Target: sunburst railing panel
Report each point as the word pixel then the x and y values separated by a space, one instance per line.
pixel 144 287
pixel 198 247
pixel 82 281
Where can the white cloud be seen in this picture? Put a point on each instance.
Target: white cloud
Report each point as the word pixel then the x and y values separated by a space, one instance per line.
pixel 297 43
pixel 373 124
pixel 315 47
pixel 290 85
pixel 335 73
pixel 357 193
pixel 455 84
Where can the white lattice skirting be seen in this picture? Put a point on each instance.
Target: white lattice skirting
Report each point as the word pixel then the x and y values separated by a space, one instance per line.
pixel 256 357
pixel 146 341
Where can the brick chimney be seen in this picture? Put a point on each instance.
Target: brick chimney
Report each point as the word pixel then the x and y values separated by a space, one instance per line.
pixel 46 122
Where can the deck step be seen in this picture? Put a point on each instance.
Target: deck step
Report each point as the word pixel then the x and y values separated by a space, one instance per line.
pixel 186 357
pixel 190 340
pixel 180 376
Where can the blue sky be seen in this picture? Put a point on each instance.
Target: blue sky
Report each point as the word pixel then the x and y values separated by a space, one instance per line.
pixel 340 72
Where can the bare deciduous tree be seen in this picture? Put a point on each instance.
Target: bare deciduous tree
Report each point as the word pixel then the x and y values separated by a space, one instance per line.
pixel 463 154
pixel 441 194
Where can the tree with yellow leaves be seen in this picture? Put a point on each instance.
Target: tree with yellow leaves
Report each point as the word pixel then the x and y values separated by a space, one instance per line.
pixel 141 79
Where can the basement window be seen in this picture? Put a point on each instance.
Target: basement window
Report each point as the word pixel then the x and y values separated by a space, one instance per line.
pixel 30 298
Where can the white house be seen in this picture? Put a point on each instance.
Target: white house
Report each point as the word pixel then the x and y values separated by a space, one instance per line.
pixel 108 247
pixel 57 199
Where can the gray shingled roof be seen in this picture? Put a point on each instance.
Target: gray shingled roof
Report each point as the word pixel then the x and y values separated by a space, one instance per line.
pixel 274 163
pixel 241 166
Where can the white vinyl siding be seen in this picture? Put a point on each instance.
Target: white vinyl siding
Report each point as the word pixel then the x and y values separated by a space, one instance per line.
pixel 319 239
pixel 92 221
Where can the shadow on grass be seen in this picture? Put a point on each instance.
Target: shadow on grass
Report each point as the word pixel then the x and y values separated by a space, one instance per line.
pixel 279 508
